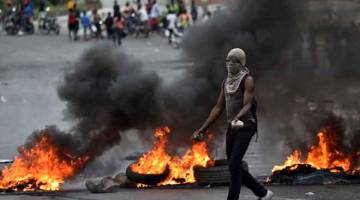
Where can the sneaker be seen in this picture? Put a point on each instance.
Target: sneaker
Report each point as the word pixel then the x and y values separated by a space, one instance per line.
pixel 268 196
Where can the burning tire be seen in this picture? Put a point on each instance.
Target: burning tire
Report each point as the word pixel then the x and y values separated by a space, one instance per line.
pixel 148 179
pixel 217 175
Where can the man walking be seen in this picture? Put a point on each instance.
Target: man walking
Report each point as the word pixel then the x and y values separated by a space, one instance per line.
pixel 237 96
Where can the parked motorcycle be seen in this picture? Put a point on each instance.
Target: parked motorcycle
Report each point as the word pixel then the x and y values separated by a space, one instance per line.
pixel 18 25
pixel 10 25
pixel 48 24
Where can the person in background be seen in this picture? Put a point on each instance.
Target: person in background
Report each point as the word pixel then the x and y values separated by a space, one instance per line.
pixel 109 25
pixel 194 12
pixel 174 6
pixel 28 11
pixel 85 22
pixel 119 29
pixel 41 6
pixel 70 4
pixel 77 14
pixel 184 20
pixel 128 9
pixel 97 23
pixel 149 6
pixel 42 14
pixel 171 25
pixel 71 24
pixel 116 9
pixel 144 19
pixel 154 14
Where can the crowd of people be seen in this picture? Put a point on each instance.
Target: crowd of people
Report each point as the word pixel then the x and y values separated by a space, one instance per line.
pixel 18 17
pixel 132 19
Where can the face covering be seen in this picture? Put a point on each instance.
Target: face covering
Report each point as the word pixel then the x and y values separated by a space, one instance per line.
pixel 236 69
pixel 233 68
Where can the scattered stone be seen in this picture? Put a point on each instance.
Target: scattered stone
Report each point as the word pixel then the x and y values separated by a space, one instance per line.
pixel 309 194
pixel 101 185
pixel 2 99
pixel 108 184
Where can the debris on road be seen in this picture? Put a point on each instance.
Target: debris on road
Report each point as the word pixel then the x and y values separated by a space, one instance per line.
pixel 2 99
pixel 108 184
pixel 309 194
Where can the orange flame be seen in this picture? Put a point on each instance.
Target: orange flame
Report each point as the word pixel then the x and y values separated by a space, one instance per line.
pixel 157 159
pixel 39 168
pixel 181 168
pixel 325 155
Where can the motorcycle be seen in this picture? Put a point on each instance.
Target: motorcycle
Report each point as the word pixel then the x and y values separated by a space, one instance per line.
pixel 18 25
pixel 131 23
pixel 48 24
pixel 10 25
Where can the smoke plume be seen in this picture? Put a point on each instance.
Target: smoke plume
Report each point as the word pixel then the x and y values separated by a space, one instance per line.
pixel 299 60
pixel 302 56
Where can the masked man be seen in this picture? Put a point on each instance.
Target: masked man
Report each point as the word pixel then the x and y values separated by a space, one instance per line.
pixel 237 96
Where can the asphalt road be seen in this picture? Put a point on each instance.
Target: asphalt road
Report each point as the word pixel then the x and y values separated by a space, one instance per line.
pixel 350 192
pixel 31 68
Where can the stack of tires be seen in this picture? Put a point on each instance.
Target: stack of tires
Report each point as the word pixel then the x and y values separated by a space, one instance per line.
pixel 218 175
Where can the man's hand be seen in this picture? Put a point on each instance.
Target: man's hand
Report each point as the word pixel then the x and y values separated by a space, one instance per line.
pixel 237 123
pixel 198 136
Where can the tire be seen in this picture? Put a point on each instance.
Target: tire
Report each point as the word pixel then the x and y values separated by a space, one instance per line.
pixel 148 179
pixel 218 175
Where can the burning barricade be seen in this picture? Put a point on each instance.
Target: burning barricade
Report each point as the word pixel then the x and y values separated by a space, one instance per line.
pixel 158 168
pixel 323 163
pixel 43 166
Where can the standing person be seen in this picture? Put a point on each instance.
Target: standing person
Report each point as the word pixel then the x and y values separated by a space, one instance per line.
pixel 77 21
pixel 128 9
pixel 116 9
pixel 71 23
pixel 154 14
pixel 42 15
pixel 184 20
pixel 149 6
pixel 85 22
pixel 237 96
pixel 119 29
pixel 96 22
pixel 144 20
pixel 70 4
pixel 171 19
pixel 109 25
pixel 41 6
pixel 194 12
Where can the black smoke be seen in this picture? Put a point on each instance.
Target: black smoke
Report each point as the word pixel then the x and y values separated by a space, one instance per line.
pixel 108 92
pixel 302 56
pixel 290 53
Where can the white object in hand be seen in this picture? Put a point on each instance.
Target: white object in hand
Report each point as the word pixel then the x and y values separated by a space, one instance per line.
pixel 237 123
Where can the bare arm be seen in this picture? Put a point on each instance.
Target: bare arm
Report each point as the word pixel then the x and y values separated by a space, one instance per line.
pixel 248 97
pixel 215 112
